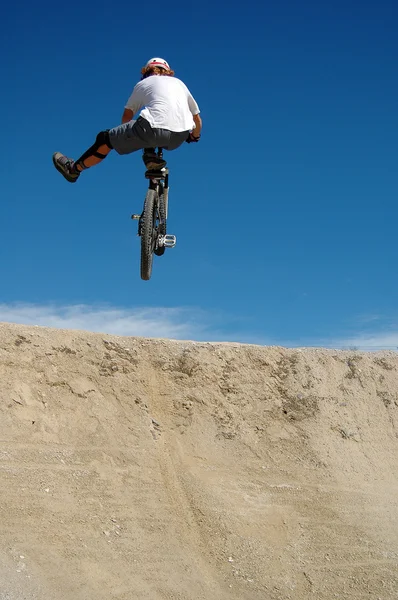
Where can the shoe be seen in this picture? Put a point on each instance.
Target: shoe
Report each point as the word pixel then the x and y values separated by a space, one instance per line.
pixel 152 161
pixel 65 166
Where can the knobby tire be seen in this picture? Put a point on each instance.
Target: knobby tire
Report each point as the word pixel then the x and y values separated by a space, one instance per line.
pixel 148 234
pixel 162 217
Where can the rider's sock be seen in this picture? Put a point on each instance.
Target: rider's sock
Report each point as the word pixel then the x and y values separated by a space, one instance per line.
pixel 78 167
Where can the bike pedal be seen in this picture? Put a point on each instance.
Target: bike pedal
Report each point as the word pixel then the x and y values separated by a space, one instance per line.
pixel 167 241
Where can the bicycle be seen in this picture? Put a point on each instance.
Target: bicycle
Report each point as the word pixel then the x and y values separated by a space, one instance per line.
pixel 152 221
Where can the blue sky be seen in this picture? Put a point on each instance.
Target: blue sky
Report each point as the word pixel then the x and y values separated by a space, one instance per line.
pixel 286 211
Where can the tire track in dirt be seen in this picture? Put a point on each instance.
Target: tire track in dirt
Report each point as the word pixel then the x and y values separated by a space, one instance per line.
pixel 136 469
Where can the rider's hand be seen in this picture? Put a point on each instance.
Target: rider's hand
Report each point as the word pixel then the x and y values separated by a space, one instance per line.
pixel 192 138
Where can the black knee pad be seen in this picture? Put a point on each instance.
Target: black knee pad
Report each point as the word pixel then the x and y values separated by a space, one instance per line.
pixel 103 138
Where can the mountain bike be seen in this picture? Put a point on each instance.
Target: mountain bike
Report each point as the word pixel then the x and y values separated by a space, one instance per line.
pixel 152 221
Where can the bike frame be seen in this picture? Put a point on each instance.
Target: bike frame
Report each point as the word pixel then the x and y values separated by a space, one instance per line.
pixel 152 222
pixel 162 176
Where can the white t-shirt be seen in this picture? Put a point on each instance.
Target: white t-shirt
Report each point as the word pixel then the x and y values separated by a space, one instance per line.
pixel 166 101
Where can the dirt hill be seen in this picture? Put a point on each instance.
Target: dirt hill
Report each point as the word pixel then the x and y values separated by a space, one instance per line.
pixel 137 469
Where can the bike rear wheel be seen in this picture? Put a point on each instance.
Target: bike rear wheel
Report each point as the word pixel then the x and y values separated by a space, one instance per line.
pixel 148 234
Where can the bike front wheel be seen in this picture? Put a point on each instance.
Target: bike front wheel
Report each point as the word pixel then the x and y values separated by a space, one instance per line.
pixel 159 250
pixel 148 234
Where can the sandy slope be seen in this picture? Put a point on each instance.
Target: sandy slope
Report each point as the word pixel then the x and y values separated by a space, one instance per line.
pixel 150 469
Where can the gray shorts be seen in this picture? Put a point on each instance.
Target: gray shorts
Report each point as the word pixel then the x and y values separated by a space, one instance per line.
pixel 136 135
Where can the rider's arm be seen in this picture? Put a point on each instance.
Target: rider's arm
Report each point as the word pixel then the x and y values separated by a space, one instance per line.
pixel 194 108
pixel 133 105
pixel 127 115
pixel 198 125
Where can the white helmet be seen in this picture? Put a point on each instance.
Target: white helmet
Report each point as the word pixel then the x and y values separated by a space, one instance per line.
pixel 158 62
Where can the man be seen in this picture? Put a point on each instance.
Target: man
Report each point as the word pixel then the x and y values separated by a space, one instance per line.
pixel 169 116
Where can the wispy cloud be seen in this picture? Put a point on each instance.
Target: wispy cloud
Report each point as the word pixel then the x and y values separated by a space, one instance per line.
pixel 182 323
pixel 370 341
pixel 176 323
pixel 371 331
pixel 366 342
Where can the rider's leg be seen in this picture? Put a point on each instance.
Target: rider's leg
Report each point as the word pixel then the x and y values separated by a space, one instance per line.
pixel 139 135
pixel 170 141
pixel 151 160
pixel 95 154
